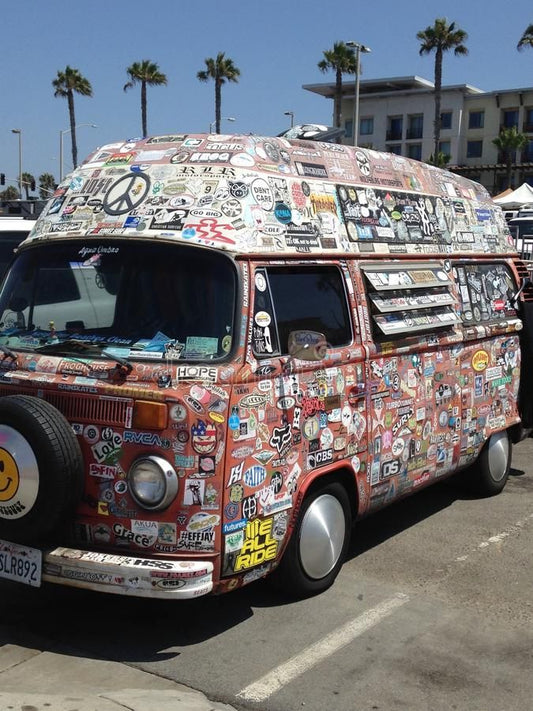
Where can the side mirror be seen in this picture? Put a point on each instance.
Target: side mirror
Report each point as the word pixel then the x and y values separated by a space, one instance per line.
pixel 307 345
pixel 526 282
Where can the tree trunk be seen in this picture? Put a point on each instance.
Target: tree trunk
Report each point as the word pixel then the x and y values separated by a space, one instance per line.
pixel 72 117
pixel 338 101
pixel 143 109
pixel 218 104
pixel 438 87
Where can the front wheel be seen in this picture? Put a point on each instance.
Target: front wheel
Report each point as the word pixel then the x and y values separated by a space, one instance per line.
pixel 317 548
pixel 491 471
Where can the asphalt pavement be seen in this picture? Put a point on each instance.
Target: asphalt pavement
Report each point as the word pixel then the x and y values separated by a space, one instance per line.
pixel 34 680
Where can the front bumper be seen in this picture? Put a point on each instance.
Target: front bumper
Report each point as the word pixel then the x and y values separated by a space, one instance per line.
pixel 127 575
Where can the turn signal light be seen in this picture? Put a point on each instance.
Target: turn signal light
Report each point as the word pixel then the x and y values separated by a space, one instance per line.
pixel 149 415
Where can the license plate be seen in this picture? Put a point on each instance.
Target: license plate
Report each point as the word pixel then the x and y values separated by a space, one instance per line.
pixel 20 563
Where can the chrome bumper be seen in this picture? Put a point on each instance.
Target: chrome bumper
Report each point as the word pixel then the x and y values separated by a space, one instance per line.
pixel 128 575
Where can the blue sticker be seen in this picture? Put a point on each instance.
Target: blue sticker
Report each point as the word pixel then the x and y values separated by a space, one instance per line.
pixel 283 213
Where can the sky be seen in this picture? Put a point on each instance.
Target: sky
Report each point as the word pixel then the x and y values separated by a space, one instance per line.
pixel 276 44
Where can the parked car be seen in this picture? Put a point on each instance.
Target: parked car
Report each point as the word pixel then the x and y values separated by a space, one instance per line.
pixel 12 231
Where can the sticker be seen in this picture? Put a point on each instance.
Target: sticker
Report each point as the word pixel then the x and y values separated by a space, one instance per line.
pixel 480 360
pixel 262 319
pixel 260 282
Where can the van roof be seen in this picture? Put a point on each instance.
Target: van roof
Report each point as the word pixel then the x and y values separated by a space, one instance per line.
pixel 253 194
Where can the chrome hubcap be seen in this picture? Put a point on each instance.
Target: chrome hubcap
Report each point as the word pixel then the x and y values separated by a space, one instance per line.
pixel 498 455
pixel 322 536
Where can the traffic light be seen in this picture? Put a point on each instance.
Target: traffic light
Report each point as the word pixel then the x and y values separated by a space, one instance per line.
pixel 32 185
pixel 2 178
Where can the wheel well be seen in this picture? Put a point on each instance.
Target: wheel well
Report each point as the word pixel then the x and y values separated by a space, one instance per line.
pixel 345 477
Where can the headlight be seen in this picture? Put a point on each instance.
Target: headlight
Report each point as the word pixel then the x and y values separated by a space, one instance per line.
pixel 153 483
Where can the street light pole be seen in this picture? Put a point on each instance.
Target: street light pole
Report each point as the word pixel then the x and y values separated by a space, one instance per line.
pixel 61 134
pixel 224 118
pixel 358 49
pixel 291 114
pixel 19 132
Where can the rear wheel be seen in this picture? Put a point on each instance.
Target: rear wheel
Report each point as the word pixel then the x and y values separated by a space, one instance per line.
pixel 318 545
pixel 489 474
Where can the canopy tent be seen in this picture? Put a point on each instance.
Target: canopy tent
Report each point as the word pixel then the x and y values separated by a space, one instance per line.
pixel 516 198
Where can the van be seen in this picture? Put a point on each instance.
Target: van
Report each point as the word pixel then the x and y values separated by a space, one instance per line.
pixel 521 228
pixel 276 338
pixel 12 231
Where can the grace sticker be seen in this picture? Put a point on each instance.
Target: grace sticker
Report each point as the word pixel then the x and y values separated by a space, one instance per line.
pixel 262 319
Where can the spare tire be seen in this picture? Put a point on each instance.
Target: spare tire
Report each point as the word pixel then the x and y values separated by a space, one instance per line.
pixel 41 469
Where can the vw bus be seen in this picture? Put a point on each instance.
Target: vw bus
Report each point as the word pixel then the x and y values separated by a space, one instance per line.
pixel 221 351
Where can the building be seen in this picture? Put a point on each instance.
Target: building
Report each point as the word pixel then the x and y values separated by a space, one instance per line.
pixel 397 115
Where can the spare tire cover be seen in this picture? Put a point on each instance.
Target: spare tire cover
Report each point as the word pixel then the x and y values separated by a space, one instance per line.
pixel 41 469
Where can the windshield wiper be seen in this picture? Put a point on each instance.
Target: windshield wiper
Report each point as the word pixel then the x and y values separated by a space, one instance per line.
pixel 8 353
pixel 84 349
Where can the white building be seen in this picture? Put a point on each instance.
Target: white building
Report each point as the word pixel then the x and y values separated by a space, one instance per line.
pixel 397 114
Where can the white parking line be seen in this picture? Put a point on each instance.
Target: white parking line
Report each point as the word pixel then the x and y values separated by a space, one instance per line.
pixel 308 658
pixel 499 537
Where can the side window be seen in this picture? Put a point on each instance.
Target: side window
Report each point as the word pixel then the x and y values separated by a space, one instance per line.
pixel 407 298
pixel 59 288
pixel 301 298
pixel 486 292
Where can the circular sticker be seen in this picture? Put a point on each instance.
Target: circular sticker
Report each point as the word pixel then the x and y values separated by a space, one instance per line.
pixel 126 194
pixel 260 282
pixel 262 318
pixel 283 213
pixel 178 412
pixel 9 476
pixel 242 160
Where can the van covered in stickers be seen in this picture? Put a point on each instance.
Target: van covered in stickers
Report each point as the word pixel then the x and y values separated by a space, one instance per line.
pixel 218 352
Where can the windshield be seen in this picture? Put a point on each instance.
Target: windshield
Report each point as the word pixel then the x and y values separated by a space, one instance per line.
pixel 129 299
pixel 521 228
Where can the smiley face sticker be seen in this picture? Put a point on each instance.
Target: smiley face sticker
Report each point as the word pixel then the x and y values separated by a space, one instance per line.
pixel 9 476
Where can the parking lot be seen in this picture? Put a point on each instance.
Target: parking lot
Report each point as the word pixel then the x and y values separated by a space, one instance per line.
pixel 433 610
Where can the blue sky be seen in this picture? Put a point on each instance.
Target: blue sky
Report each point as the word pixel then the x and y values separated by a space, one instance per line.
pixel 275 43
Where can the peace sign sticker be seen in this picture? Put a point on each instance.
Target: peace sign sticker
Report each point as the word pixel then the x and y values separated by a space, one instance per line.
pixel 126 193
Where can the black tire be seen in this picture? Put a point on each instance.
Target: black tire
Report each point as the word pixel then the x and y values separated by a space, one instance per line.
pixel 488 475
pixel 318 545
pixel 41 469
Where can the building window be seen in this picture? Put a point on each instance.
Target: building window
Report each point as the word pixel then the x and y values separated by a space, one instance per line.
pixel 528 121
pixel 414 150
pixel 395 129
pixel 348 128
pixel 366 126
pixel 474 149
pixel 527 155
pixel 415 127
pixel 510 118
pixel 446 119
pixel 445 147
pixel 395 148
pixel 476 119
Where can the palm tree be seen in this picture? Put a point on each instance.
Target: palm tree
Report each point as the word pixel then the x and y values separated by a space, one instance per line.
pixel 65 85
pixel 10 193
pixel 441 161
pixel 341 59
pixel 441 38
pixel 47 185
pixel 220 70
pixel 145 73
pixel 508 142
pixel 527 38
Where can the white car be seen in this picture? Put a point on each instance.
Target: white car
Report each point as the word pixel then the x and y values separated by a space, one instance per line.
pixel 12 231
